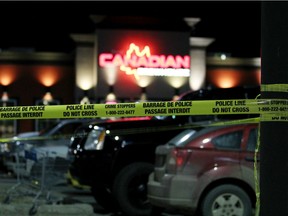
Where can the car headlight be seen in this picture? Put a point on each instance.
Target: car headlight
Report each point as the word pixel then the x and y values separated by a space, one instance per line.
pixel 95 140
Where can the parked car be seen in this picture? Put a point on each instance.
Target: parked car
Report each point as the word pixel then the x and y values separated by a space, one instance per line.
pixel 9 147
pixel 27 148
pixel 209 172
pixel 115 158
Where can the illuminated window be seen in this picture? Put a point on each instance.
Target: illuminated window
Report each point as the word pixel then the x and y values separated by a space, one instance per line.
pixel 47 100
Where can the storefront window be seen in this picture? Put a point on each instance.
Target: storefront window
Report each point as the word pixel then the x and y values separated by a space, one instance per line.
pixel 41 124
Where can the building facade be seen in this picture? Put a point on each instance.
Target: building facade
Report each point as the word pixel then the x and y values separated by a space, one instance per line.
pixel 117 65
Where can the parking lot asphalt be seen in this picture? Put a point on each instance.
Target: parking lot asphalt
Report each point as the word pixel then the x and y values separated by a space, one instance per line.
pixel 21 197
pixel 64 200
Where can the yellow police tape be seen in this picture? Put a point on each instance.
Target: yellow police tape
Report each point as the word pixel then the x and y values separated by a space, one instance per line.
pixel 274 88
pixel 126 131
pixel 276 108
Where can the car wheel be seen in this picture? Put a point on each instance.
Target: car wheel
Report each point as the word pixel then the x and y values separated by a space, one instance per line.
pixel 226 200
pixel 104 198
pixel 130 189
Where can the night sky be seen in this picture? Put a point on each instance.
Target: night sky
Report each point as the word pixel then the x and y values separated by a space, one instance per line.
pixel 46 26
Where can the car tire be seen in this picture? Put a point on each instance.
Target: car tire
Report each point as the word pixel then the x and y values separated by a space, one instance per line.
pixel 104 198
pixel 130 189
pixel 227 199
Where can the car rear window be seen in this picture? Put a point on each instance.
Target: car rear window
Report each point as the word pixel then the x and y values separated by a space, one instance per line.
pixel 228 141
pixel 252 140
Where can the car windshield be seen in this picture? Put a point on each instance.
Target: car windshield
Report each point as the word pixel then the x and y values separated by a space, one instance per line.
pixel 46 130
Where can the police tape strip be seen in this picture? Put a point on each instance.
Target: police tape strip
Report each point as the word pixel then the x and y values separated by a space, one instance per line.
pixel 272 117
pixel 138 130
pixel 282 117
pixel 274 88
pixel 162 108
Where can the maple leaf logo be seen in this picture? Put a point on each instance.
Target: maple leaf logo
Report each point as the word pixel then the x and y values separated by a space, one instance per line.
pixel 139 53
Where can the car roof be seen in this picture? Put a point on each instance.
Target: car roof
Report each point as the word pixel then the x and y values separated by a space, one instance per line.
pixel 65 121
pixel 203 132
pixel 222 93
pixel 216 128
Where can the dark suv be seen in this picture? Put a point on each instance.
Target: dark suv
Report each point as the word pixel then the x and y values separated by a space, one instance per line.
pixel 116 157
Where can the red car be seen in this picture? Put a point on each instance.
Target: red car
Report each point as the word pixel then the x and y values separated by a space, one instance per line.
pixel 209 172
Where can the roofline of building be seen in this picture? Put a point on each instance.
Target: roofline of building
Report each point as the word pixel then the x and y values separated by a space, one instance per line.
pixel 36 56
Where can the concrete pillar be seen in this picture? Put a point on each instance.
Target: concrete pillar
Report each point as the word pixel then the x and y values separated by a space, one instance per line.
pixel 198 61
pixel 85 63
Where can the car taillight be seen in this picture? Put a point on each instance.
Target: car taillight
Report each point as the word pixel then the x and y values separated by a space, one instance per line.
pixel 178 158
pixel 179 161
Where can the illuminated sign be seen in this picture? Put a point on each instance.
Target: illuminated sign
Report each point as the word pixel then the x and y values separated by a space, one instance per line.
pixel 142 63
